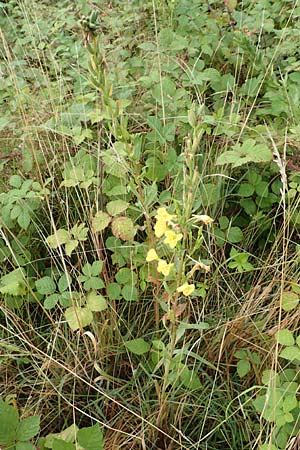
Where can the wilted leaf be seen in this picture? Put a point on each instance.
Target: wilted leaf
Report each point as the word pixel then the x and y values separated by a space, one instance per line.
pixel 123 228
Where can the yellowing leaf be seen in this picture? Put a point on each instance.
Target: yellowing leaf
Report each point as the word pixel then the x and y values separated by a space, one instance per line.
pixel 60 237
pixel 100 221
pixel 78 317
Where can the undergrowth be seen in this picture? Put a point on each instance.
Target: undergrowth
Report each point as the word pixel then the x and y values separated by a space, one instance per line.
pixel 149 225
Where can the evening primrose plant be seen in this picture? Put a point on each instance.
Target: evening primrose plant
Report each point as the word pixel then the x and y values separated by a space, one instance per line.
pixel 169 266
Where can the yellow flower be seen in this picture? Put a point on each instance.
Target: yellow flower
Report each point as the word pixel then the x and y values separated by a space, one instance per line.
pixel 205 219
pixel 162 214
pixel 151 255
pixel 160 228
pixel 172 238
pixel 163 267
pixel 186 289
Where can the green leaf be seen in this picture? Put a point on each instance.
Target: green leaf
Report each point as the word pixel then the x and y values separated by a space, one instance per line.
pixel 235 235
pixel 24 446
pixel 78 317
pixel 59 444
pixel 113 291
pixel 28 428
pixel 123 228
pixel 60 237
pixel 243 367
pixel 289 300
pixel 45 286
pixel 285 337
pixel 138 346
pixel 268 446
pixel 223 222
pixel 100 221
pixel 130 293
pixel 96 268
pixel 246 190
pixel 249 151
pixel 124 275
pixel 96 302
pixel 64 282
pixel 15 181
pixel 24 219
pixel 248 205
pixel 91 438
pixel 51 301
pixel 9 419
pixel 190 379
pixel 289 403
pixel 116 207
pixel 93 283
pixel 262 188
pixel 291 353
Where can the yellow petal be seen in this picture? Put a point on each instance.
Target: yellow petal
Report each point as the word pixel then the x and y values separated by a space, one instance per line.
pixel 151 255
pixel 172 238
pixel 163 214
pixel 160 228
pixel 186 289
pixel 163 267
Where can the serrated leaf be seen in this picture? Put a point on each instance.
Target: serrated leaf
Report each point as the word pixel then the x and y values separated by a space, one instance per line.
pixel 51 301
pixel 28 428
pixel 93 283
pixel 45 286
pixel 96 268
pixel 15 181
pixel 113 291
pixel 79 231
pixel 70 246
pixel 100 221
pixel 235 235
pixel 116 207
pixel 123 228
pixel 24 219
pixel 243 367
pixel 91 438
pixel 60 237
pixel 95 302
pixel 289 300
pixel 285 337
pixel 64 282
pixel 291 353
pixel 126 276
pixel 9 419
pixel 78 317
pixel 138 346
